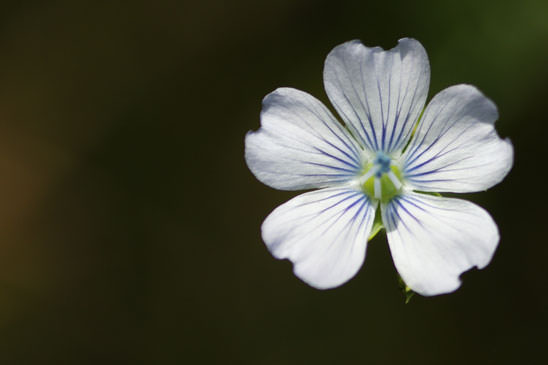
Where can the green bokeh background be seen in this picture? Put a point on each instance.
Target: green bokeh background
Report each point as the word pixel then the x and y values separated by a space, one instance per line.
pixel 130 224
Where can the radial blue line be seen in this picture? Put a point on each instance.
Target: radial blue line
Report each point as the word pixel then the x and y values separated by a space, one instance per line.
pixel 351 148
pixel 365 143
pixel 340 214
pixel 353 159
pixel 354 166
pixel 330 167
pixel 397 201
pixel 367 109
pixel 399 140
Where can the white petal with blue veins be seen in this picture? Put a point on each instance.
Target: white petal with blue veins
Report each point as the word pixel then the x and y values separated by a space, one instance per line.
pixel 455 147
pixel 323 232
pixel 433 240
pixel 378 93
pixel 300 145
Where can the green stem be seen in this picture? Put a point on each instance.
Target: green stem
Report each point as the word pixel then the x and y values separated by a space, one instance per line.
pixel 407 292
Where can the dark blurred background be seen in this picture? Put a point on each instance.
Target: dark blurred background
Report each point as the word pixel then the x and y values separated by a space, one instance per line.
pixel 130 224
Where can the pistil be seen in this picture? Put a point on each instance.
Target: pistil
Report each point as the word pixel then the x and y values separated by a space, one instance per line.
pixel 382 178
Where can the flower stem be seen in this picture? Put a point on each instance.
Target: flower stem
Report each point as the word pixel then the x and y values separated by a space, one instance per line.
pixel 407 292
pixel 377 225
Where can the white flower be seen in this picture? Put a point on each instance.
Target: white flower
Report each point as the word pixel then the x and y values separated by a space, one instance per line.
pixel 386 155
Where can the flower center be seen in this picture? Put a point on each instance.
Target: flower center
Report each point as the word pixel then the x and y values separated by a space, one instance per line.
pixel 382 178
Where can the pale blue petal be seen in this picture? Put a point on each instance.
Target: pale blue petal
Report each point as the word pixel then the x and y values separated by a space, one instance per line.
pixel 455 147
pixel 379 94
pixel 300 145
pixel 324 233
pixel 433 240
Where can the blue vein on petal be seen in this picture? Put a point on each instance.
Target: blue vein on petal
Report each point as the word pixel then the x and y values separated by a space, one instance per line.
pixel 416 146
pixel 352 149
pixel 320 192
pixel 367 143
pixel 396 118
pixel 442 151
pixel 362 126
pixel 352 203
pixel 410 200
pixel 411 104
pixel 392 213
pixel 364 210
pixel 424 203
pixel 345 176
pixel 341 213
pixel 391 216
pixel 331 207
pixel 439 169
pixel 341 111
pixel 341 201
pixel 399 140
pixel 383 135
pixel 354 158
pixel 321 138
pixel 366 107
pixel 318 151
pixel 364 200
pixel 350 172
pixel 355 166
pixel 419 181
pixel 384 125
pixel 350 104
pixel 398 111
pixel 410 159
pixel 397 201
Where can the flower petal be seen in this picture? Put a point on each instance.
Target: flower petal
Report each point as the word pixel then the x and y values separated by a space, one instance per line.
pixel 300 145
pixel 433 240
pixel 456 147
pixel 323 232
pixel 378 93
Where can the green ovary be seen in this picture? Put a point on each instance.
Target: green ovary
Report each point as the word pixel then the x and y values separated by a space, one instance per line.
pixel 388 190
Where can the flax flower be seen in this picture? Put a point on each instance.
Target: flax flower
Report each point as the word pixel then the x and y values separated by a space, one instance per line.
pixel 391 153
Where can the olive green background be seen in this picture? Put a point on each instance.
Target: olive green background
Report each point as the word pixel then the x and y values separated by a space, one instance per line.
pixel 130 224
